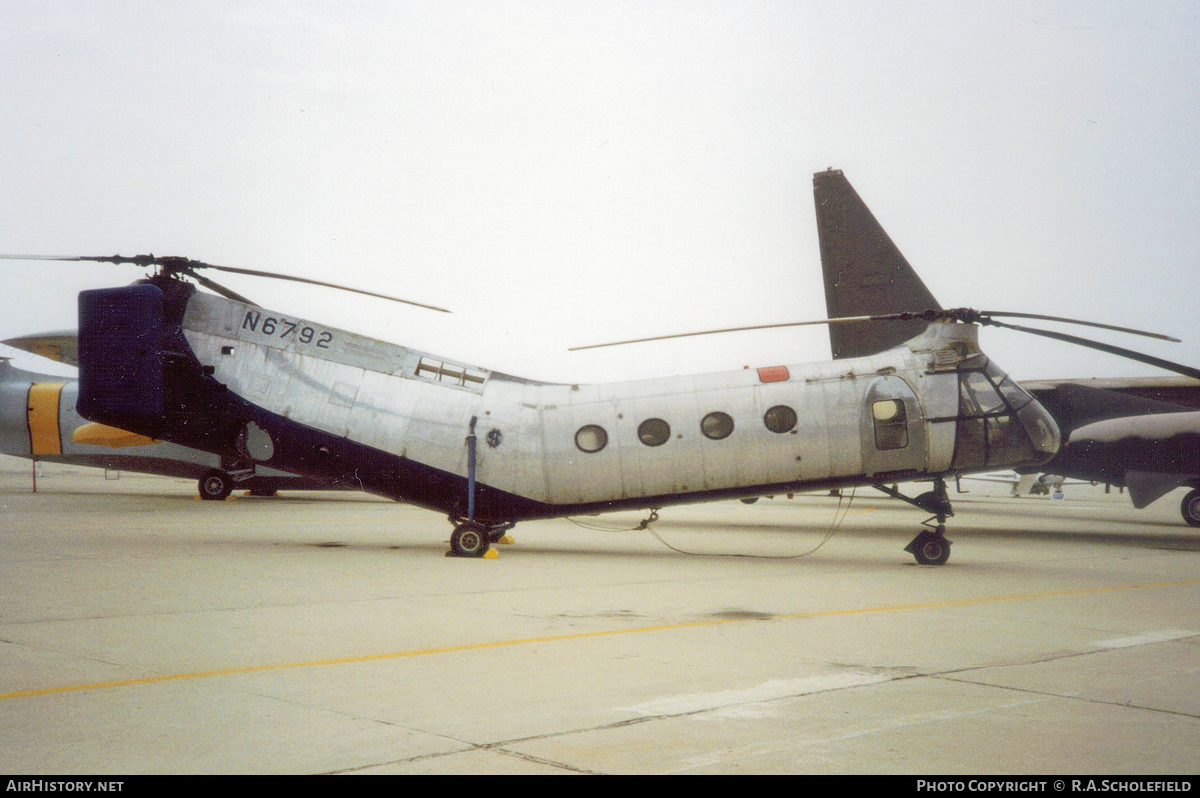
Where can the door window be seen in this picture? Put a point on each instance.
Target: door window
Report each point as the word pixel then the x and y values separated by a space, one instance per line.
pixel 891 424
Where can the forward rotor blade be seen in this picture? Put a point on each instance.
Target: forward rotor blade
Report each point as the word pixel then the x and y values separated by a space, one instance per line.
pixel 1178 368
pixel 1013 315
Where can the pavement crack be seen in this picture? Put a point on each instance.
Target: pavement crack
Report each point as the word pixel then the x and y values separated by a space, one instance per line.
pixel 1054 657
pixel 470 747
pixel 1051 694
pixel 543 761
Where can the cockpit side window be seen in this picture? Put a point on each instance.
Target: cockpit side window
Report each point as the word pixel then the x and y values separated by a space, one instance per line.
pixel 979 394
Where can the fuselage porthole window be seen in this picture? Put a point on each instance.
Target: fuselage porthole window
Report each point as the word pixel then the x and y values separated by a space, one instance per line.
pixel 717 425
pixel 591 438
pixel 780 419
pixel 654 432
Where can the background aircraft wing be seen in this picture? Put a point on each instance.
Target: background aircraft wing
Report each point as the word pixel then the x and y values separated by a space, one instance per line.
pixel 62 345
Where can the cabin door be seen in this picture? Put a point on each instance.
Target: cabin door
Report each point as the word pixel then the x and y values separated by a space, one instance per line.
pixel 893 430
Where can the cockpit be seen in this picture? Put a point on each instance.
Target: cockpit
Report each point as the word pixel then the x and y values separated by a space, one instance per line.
pixel 999 423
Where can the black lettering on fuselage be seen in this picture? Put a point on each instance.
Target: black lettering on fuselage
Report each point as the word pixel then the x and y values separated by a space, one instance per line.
pixel 254 321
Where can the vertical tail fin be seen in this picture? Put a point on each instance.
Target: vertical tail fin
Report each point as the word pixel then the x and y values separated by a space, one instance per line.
pixel 865 274
pixel 121 356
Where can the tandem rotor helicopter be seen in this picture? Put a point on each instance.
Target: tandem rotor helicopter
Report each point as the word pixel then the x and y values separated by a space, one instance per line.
pixel 263 389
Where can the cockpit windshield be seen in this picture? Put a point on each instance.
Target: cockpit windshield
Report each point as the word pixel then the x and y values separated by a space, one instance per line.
pixel 1014 394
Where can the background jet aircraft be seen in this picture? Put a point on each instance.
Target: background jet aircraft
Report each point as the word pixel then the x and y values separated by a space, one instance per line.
pixel 1140 433
pixel 38 421
pixel 1031 484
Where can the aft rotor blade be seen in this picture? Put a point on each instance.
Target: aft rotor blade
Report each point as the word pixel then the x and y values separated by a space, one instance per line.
pixel 187 266
pixel 741 329
pixel 1141 357
pixel 1013 315
pixel 254 273
pixel 136 260
pixel 39 257
pixel 213 285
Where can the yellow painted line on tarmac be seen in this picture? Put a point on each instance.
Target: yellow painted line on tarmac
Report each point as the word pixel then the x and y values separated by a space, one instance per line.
pixel 424 652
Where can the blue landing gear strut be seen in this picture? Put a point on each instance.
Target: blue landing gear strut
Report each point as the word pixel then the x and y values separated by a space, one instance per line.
pixel 471 538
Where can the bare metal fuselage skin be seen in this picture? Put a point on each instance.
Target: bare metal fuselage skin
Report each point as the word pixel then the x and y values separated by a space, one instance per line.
pixel 291 394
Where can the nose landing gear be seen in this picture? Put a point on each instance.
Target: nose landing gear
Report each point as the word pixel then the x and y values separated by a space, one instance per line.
pixel 930 546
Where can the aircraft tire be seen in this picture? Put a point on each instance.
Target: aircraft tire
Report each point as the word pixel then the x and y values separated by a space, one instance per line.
pixel 215 486
pixel 930 549
pixel 1190 508
pixel 467 541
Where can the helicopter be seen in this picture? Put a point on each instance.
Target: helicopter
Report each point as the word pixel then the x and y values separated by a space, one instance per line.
pixel 218 373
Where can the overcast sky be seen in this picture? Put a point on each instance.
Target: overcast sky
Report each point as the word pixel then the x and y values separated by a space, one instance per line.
pixel 571 173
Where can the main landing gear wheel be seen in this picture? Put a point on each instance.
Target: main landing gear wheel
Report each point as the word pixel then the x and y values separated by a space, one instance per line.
pixel 469 541
pixel 215 486
pixel 930 548
pixel 1191 508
